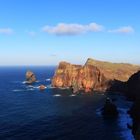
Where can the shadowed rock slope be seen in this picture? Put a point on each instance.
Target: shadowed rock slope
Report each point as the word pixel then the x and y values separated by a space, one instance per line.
pixel 133 93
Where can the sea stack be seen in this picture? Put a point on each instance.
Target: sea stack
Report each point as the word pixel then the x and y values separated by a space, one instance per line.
pixel 30 77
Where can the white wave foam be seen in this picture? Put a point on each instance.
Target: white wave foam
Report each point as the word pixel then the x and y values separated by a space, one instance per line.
pixel 31 89
pixel 48 79
pixel 30 86
pixel 50 87
pixel 37 87
pixel 57 95
pixel 72 95
pixel 24 82
pixel 17 90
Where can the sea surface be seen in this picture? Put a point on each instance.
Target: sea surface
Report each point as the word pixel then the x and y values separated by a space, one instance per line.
pixel 26 113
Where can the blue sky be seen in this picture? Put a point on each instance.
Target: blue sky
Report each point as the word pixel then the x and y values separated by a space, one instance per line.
pixel 44 32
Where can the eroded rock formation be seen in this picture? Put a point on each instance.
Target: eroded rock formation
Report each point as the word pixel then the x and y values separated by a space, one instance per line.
pixel 94 75
pixel 117 71
pixel 30 77
pixel 78 77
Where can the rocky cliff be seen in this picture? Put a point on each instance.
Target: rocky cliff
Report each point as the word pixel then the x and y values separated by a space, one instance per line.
pixel 133 86
pixel 87 77
pixel 133 93
pixel 94 75
pixel 117 71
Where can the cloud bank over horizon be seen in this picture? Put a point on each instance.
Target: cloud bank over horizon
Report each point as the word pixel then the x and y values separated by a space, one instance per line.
pixel 72 29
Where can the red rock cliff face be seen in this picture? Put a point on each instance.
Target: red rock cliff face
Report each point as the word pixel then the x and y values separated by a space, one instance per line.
pixel 87 77
pixel 94 75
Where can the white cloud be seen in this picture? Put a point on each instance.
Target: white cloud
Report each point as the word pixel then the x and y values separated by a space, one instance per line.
pixel 72 29
pixel 123 30
pixel 6 31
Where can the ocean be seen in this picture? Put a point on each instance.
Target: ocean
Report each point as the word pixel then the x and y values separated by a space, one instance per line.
pixel 26 113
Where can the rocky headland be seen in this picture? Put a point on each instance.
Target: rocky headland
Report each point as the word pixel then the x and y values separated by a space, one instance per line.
pixel 94 75
pixel 100 76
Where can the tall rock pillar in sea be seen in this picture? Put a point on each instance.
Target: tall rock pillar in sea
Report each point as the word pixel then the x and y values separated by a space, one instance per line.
pixel 30 77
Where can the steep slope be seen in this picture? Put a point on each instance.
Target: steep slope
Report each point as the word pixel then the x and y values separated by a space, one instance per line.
pixel 79 77
pixel 118 71
pixel 94 75
pixel 133 93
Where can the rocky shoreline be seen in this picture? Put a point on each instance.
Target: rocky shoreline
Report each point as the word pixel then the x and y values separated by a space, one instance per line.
pixel 101 77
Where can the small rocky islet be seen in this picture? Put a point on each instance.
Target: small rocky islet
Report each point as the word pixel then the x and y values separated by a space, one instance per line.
pixel 31 78
pixel 101 77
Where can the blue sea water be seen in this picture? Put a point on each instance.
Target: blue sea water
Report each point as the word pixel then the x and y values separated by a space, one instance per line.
pixel 26 113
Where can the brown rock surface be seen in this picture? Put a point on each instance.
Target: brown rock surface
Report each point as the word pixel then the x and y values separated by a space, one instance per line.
pixel 30 77
pixel 42 87
pixel 94 75
pixel 78 77
pixel 118 71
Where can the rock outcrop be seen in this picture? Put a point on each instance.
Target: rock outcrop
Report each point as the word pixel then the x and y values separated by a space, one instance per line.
pixel 117 71
pixel 109 109
pixel 133 86
pixel 30 77
pixel 93 76
pixel 87 77
pixel 42 87
pixel 133 93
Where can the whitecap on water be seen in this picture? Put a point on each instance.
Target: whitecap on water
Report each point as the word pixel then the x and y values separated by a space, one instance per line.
pixel 17 90
pixel 30 86
pixel 50 87
pixel 30 89
pixel 72 95
pixel 37 87
pixel 57 95
pixel 24 82
pixel 48 79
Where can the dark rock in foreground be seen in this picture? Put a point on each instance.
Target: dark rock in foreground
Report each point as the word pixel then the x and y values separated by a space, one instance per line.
pixel 133 93
pixel 30 77
pixel 109 109
pixel 133 86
